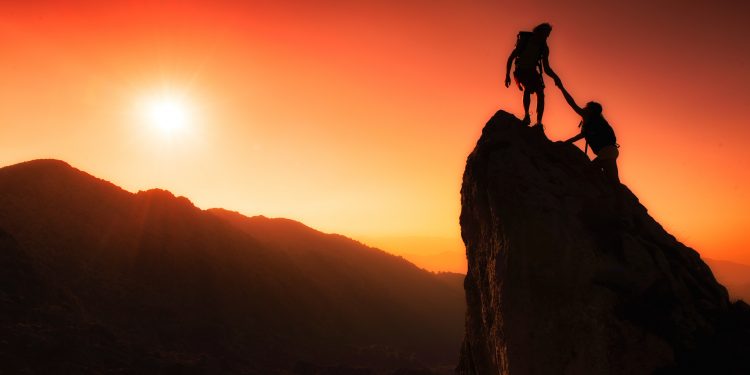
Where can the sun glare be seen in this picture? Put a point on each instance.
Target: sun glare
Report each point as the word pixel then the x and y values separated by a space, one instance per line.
pixel 166 113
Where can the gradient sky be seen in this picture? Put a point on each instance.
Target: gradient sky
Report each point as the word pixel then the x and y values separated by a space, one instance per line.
pixel 356 117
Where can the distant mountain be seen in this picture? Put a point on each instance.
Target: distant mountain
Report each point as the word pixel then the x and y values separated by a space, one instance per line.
pixel 431 253
pixel 97 279
pixel 735 276
pixel 454 261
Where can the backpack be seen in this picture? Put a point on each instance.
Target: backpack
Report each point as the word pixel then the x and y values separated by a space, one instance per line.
pixel 522 42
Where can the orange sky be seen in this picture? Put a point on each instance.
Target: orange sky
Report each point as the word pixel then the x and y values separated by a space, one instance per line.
pixel 356 117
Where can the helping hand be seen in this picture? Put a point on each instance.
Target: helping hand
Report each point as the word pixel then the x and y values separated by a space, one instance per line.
pixel 507 81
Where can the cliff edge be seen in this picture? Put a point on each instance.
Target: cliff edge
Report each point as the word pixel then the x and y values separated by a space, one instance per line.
pixel 560 282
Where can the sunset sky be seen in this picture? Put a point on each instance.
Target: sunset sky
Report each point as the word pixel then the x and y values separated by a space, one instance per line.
pixel 356 117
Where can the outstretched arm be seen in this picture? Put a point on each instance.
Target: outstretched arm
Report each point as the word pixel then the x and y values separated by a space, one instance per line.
pixel 548 69
pixel 569 98
pixel 508 65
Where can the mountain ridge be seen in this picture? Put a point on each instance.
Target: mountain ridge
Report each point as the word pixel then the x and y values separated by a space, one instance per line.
pixel 196 290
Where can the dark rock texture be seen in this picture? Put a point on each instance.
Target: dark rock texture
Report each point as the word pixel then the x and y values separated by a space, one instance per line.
pixel 560 282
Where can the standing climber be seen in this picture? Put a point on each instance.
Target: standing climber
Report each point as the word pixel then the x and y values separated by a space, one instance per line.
pixel 531 56
pixel 598 134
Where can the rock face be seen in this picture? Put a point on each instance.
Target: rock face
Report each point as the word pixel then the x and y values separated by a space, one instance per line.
pixel 561 282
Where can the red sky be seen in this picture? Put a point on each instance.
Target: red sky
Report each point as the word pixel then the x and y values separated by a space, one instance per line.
pixel 356 117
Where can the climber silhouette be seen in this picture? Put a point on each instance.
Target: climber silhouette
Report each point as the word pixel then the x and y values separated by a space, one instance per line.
pixel 531 56
pixel 598 134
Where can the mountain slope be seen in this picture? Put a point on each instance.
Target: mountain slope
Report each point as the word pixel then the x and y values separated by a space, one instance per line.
pixel 735 276
pixel 148 281
pixel 560 282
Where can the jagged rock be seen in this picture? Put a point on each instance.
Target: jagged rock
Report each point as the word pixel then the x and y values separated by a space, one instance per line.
pixel 562 282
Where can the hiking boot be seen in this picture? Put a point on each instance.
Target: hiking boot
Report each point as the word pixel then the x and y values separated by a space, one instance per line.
pixel 526 121
pixel 538 126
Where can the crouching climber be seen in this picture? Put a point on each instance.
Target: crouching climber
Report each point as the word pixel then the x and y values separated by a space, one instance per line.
pixel 598 134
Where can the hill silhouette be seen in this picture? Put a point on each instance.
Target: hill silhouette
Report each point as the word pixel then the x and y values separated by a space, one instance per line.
pixel 560 282
pixel 97 279
pixel 735 276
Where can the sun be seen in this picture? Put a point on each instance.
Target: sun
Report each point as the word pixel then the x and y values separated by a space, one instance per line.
pixel 166 112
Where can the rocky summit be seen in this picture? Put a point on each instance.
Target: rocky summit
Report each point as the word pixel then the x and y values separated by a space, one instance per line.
pixel 563 280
